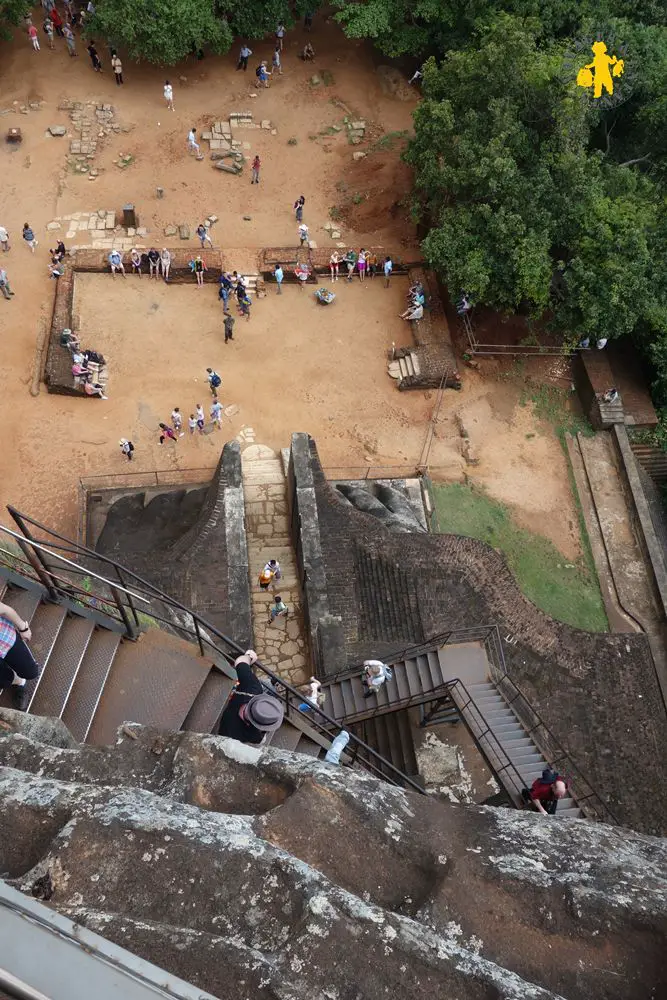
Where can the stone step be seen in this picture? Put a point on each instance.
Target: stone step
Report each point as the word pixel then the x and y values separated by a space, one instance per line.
pixel 263 479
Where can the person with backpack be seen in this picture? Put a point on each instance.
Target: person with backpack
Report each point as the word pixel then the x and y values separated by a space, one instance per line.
pixel 127 448
pixel 262 74
pixel 376 673
pixel 546 792
pixel 244 55
pixel 214 381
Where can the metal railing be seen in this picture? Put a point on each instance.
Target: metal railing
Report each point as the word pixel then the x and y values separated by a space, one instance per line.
pixel 133 602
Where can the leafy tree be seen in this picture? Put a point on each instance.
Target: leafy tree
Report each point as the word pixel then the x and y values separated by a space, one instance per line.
pixel 11 12
pixel 160 31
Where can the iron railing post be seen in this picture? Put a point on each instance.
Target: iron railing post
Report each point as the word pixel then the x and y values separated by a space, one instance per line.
pixel 130 630
pixel 198 634
pixel 35 557
pixel 121 580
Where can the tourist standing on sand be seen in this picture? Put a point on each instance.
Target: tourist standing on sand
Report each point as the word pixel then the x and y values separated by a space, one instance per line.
pixel 214 381
pixel 387 267
pixel 200 267
pixel 361 265
pixel 193 145
pixel 278 275
pixel 244 55
pixel 204 238
pixel 153 263
pixel 29 236
pixel 48 30
pixel 280 36
pixel 168 92
pixel 216 413
pixel 201 419
pixel 334 264
pixel 32 35
pixel 68 35
pixel 4 239
pixel 177 421
pixel 303 234
pixel 17 664
pixel 94 58
pixel 117 67
pixel 127 448
pixel 254 175
pixel 298 208
pixel 4 284
pixel 229 328
pixel 165 263
pixel 192 423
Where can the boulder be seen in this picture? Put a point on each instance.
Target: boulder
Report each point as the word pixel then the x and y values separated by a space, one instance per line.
pixel 58 129
pixel 184 231
pixel 229 168
pixel 217 861
pixel 170 230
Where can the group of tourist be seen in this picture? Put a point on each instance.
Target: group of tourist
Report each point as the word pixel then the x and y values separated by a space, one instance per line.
pixel 89 367
pixel 74 17
pixel 416 302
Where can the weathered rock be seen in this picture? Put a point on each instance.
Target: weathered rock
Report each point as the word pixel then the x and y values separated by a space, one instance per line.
pixel 170 230
pixel 359 155
pixel 57 130
pixel 184 231
pixel 229 168
pixel 258 872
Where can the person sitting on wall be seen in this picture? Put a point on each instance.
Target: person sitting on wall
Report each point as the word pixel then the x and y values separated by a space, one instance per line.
pixel 308 52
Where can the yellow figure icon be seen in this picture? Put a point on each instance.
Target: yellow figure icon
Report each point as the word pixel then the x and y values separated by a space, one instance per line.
pixel 601 76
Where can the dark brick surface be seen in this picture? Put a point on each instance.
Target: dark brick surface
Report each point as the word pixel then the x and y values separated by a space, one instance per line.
pixel 597 692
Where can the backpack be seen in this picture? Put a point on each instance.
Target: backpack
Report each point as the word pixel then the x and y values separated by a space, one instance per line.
pixel 258 71
pixel 215 380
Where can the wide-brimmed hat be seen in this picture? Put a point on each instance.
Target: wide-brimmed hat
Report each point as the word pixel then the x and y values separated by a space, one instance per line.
pixel 265 712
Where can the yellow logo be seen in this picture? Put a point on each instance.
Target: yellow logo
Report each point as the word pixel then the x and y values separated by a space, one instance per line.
pixel 599 74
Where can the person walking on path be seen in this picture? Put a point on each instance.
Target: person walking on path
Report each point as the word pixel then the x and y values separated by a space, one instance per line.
pixel 193 145
pixel 254 173
pixel 214 381
pixel 17 664
pixel 277 610
pixel 168 92
pixel 298 208
pixel 48 31
pixel 166 434
pixel 262 75
pixel 34 38
pixel 153 263
pixel 216 413
pixel 116 263
pixel 94 57
pixel 280 36
pixel 204 238
pixel 273 567
pixel 278 275
pixel 251 711
pixel 244 306
pixel 4 284
pixel 117 67
pixel 244 55
pixel 275 60
pixel 223 295
pixel 201 419
pixel 265 577
pixel 177 421
pixel 303 234
pixel 68 35
pixel 29 237
pixel 192 423
pixel 375 674
pixel 229 328
pixel 334 264
pixel 4 239
pixel 165 263
pixel 127 448
pixel 57 21
pixel 135 261
pixel 387 267
pixel 200 268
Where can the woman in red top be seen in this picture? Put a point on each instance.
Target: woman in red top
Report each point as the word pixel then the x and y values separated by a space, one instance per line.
pixel 57 21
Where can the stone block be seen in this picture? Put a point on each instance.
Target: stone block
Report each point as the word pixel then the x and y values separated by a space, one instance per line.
pixel 184 231
pixel 57 130
pixel 53 225
pixel 142 231
pixel 131 232
pixel 170 230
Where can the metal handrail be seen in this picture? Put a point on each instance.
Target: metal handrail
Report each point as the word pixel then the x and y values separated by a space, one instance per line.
pixel 323 721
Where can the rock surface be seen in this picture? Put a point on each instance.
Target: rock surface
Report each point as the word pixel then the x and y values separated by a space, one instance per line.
pixel 259 873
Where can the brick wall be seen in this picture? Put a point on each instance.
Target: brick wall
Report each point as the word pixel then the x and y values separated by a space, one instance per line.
pixel 598 692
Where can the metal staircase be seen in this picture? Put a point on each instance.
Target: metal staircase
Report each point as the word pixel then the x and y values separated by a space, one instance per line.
pixel 106 661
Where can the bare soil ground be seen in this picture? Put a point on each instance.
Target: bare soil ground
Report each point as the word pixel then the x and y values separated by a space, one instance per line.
pixel 295 365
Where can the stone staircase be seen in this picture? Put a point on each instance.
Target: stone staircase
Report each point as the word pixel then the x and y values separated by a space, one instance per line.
pixel 428 677
pixel 406 366
pixel 281 646
pixel 391 736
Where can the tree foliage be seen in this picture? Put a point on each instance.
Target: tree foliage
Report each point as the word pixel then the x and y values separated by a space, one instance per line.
pixel 160 31
pixel 11 12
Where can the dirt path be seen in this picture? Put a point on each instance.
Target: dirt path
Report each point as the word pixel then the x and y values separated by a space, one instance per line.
pixel 295 366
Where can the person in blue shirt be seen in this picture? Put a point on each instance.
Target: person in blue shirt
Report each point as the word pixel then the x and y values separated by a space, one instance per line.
pixel 388 268
pixel 278 275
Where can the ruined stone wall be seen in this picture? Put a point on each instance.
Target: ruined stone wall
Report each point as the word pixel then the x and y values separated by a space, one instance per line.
pixel 261 873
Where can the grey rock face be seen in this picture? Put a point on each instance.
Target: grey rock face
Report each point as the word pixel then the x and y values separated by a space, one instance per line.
pixel 259 873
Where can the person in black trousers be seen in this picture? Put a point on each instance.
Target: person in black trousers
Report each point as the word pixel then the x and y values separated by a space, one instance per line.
pixel 251 711
pixel 17 664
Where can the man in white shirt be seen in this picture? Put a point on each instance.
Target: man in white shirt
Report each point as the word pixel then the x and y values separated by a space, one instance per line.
pixel 116 263
pixel 374 676
pixel 244 55
pixel 303 234
pixel 4 239
pixel 169 95
pixel 193 145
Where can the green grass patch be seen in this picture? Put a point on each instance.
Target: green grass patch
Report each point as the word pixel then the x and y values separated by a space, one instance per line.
pixel 553 406
pixel 389 141
pixel 567 591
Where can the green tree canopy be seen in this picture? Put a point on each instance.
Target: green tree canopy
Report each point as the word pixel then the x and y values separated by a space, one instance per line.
pixel 11 12
pixel 160 31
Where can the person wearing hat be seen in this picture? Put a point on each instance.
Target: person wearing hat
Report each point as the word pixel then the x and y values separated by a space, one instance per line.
pixel 251 711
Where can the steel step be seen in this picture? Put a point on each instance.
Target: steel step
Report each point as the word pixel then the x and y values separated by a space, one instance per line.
pixel 86 691
pixel 63 666
pixel 286 738
pixel 308 747
pixel 208 706
pixel 45 625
